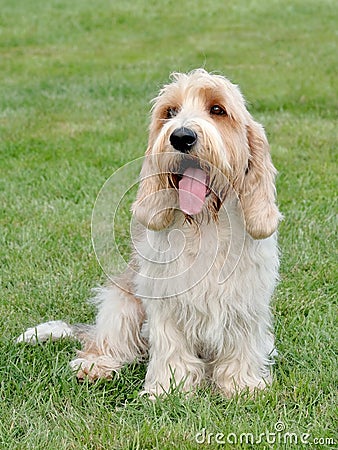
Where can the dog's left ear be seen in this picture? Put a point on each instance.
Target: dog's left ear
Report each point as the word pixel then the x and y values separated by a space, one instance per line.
pixel 258 193
pixel 155 202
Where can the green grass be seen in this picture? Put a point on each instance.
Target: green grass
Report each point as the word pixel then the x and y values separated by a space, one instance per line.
pixel 76 78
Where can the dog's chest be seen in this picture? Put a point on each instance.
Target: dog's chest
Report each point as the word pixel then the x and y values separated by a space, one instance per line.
pixel 175 261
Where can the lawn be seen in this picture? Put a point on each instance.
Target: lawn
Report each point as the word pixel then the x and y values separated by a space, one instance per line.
pixel 76 80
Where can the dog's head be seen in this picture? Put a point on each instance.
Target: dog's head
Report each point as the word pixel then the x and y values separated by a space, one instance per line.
pixel 204 144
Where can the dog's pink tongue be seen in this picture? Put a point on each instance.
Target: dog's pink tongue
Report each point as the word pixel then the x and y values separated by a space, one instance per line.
pixel 192 190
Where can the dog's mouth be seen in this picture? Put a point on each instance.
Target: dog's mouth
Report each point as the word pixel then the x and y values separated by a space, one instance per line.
pixel 192 183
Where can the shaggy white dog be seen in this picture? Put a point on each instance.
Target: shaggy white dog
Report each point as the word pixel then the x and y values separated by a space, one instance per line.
pixel 205 263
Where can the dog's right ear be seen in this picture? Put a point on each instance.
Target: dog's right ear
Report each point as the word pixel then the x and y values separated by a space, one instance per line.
pixel 155 201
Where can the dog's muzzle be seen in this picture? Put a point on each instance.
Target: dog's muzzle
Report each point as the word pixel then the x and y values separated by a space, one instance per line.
pixel 183 139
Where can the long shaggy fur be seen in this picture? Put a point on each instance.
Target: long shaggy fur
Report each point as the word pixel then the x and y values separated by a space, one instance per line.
pixel 196 300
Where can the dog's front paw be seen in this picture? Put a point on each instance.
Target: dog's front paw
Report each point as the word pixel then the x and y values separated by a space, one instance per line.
pixel 93 367
pixel 154 392
pixel 233 386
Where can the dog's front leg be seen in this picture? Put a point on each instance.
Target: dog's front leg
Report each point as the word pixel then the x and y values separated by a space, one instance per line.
pixel 172 363
pixel 247 366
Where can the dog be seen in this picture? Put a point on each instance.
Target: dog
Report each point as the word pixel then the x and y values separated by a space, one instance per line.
pixel 195 298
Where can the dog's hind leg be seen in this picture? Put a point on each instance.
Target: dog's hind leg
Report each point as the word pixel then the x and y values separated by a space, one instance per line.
pixel 115 339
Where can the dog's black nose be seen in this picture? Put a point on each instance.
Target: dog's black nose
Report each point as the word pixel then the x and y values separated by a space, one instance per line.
pixel 183 139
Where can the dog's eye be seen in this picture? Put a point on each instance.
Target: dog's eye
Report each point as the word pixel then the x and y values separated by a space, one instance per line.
pixel 217 110
pixel 171 112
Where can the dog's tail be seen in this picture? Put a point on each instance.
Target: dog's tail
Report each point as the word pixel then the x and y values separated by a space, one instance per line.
pixel 54 330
